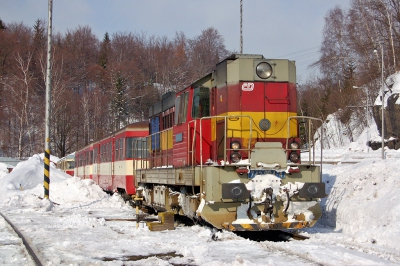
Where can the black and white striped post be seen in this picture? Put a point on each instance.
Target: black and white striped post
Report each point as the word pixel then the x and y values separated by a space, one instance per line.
pixel 46 182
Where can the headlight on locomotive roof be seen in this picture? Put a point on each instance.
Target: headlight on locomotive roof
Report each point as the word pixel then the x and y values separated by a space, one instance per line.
pixel 235 145
pixel 264 70
pixel 235 157
pixel 294 157
pixel 294 145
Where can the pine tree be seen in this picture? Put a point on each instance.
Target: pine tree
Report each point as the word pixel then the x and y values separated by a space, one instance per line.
pixel 104 50
pixel 2 27
pixel 119 103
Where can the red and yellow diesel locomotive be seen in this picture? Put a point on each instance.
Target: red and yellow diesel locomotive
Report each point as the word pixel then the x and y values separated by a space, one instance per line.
pixel 226 150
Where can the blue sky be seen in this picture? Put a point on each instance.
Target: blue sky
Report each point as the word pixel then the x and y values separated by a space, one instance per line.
pixel 289 29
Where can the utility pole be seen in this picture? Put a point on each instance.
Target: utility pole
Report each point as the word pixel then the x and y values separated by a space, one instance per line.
pixel 241 26
pixel 383 102
pixel 46 182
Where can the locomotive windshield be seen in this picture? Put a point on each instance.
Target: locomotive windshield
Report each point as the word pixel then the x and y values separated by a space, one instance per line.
pixel 201 102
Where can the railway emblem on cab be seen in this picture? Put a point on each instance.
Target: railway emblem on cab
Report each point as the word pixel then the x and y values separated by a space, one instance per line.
pixel 248 86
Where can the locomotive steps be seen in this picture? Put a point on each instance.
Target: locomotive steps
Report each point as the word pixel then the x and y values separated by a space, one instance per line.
pixel 165 222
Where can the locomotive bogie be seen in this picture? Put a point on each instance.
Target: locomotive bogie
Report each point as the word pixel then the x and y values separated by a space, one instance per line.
pixel 163 199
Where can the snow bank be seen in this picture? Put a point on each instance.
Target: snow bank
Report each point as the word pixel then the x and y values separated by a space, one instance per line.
pixel 23 187
pixel 364 200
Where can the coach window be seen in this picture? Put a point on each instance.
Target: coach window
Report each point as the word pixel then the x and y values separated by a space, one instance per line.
pixel 119 147
pixel 201 102
pixel 94 155
pixel 128 148
pixel 109 152
pixel 116 149
pixel 121 151
pixel 135 148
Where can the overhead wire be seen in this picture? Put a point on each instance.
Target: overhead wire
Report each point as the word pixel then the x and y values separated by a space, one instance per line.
pixel 305 57
pixel 301 51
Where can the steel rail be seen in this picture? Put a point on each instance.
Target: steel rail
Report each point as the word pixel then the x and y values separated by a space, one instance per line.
pixel 24 241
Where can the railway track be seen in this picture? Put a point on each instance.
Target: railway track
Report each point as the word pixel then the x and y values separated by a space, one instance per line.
pixel 7 227
pixel 332 251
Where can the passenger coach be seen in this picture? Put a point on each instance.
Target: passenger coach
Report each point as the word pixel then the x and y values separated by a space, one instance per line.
pixel 110 162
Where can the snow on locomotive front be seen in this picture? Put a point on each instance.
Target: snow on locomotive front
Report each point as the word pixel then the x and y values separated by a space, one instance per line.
pixel 226 150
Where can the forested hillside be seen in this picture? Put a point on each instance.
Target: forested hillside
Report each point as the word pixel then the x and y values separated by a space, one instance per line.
pixel 360 45
pixel 100 85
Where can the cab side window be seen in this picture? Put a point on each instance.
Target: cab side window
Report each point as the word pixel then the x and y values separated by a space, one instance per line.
pixel 181 104
pixel 201 102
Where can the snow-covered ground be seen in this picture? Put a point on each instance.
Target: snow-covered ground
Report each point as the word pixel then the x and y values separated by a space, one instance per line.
pixel 360 224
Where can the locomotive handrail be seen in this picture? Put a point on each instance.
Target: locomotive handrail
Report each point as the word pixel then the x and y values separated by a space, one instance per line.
pixel 225 129
pixel 158 134
pixel 309 138
pixel 192 151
